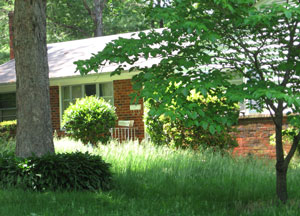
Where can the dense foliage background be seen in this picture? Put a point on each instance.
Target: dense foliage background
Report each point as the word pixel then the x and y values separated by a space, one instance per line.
pixel 70 20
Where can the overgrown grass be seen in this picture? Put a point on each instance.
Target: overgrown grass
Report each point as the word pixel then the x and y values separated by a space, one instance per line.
pixel 151 180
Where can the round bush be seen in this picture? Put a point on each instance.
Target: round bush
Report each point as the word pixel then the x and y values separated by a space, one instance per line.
pixel 89 120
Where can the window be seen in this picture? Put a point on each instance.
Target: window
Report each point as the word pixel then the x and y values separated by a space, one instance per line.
pixel 8 110
pixel 71 93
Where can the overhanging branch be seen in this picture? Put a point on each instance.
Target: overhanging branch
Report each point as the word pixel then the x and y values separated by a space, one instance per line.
pixel 293 149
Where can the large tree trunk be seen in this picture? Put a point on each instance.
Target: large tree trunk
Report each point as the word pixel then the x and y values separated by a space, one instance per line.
pixel 34 128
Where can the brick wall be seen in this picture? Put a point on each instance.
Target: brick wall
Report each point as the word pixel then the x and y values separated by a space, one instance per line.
pixel 122 89
pixel 54 103
pixel 253 136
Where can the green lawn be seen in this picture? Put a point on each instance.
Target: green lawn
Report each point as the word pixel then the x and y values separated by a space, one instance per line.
pixel 153 181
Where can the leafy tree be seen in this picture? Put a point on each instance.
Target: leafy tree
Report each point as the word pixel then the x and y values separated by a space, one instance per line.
pixel 205 45
pixel 125 16
pixel 5 7
pixel 87 18
pixel 34 129
pixel 71 20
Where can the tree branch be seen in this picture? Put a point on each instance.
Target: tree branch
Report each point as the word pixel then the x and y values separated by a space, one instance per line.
pixel 86 6
pixel 69 27
pixel 290 50
pixel 293 149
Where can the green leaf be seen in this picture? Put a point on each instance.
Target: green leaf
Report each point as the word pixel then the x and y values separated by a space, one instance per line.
pixel 269 95
pixel 194 115
pixel 288 14
pixel 204 125
pixel 212 129
pixel 185 92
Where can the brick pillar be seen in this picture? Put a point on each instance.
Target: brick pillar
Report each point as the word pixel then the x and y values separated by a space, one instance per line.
pixel 54 103
pixel 11 30
pixel 122 89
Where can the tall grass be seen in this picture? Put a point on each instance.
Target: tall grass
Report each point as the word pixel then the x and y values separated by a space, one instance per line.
pixel 150 180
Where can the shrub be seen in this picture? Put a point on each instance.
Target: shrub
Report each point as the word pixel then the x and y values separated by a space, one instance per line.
pixel 10 173
pixel 67 171
pixel 8 129
pixel 164 130
pixel 89 120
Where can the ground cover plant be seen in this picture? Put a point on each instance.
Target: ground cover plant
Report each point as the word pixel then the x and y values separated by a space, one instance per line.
pixel 62 171
pixel 151 180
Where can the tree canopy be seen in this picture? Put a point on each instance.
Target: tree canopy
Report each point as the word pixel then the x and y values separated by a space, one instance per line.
pixel 205 45
pixel 5 7
pixel 77 19
pixel 71 20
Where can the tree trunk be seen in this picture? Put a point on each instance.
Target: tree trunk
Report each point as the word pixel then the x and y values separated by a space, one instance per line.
pixel 281 185
pixel 34 128
pixel 281 166
pixel 98 17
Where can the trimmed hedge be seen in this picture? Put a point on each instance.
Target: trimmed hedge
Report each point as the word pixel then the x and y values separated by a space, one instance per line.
pixel 90 120
pixel 67 171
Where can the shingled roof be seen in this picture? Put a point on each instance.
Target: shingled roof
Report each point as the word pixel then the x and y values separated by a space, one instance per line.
pixel 62 55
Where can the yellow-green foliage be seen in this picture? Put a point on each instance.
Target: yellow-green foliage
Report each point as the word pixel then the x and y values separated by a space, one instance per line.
pixel 8 129
pixel 164 130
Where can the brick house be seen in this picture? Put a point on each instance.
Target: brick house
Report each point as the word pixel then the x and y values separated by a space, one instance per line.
pixel 254 130
pixel 66 86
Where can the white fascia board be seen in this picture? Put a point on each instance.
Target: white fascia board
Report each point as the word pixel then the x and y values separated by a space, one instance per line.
pixel 77 79
pixel 90 78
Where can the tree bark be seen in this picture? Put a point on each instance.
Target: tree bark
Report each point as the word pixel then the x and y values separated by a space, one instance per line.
pixel 98 17
pixel 34 128
pixel 281 166
pixel 281 184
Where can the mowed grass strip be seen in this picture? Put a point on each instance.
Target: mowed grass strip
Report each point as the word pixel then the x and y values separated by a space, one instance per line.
pixel 150 180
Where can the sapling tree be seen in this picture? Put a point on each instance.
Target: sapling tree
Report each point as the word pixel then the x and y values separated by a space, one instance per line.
pixel 205 45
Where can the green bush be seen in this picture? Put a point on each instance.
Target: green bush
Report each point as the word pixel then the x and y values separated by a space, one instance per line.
pixel 10 173
pixel 163 130
pixel 67 171
pixel 89 120
pixel 8 129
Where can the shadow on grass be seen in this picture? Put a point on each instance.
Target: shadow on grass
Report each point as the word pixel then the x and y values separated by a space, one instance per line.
pixel 154 181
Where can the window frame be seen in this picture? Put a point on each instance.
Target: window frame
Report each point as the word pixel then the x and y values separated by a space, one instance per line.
pixel 10 108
